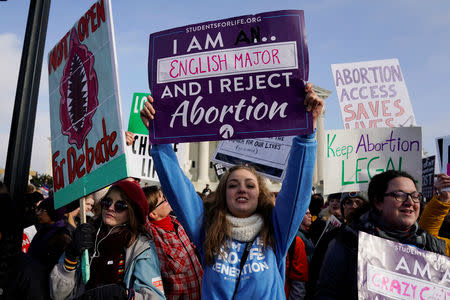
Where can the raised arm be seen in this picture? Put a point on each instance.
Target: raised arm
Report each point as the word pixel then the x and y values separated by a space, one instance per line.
pixel 293 199
pixel 180 192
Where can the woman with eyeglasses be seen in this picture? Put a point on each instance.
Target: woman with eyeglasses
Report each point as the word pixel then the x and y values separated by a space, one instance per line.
pixel 181 269
pixel 394 209
pixel 52 236
pixel 351 204
pixel 123 259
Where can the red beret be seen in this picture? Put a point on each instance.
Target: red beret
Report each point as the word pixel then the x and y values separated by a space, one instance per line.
pixel 137 197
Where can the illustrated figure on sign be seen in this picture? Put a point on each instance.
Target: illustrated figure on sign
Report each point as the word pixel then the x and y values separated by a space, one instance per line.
pixel 79 89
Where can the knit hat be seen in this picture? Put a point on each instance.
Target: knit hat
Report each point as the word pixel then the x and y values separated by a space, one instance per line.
pixel 33 198
pixel 347 195
pixel 136 195
pixel 48 205
pixel 360 195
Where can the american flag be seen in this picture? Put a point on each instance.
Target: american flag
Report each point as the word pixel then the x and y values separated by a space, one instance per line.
pixel 44 190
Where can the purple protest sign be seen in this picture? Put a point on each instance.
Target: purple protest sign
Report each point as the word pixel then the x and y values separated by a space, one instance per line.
pixel 390 270
pixel 235 78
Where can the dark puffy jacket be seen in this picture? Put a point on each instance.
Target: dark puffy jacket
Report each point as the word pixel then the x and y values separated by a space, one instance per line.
pixel 27 280
pixel 49 244
pixel 339 268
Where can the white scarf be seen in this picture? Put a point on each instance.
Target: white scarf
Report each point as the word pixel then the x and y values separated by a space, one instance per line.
pixel 245 229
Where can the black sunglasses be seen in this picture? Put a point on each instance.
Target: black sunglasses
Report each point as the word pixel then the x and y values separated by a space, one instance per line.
pixel 160 203
pixel 119 206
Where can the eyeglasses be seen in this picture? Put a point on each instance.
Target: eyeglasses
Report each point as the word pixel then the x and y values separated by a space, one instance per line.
pixel 119 206
pixel 159 204
pixel 400 196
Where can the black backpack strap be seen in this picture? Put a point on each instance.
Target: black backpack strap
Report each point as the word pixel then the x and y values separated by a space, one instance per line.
pixel 248 245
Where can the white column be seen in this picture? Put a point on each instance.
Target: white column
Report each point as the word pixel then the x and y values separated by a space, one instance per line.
pixel 320 136
pixel 203 162
pixel 320 142
pixel 186 164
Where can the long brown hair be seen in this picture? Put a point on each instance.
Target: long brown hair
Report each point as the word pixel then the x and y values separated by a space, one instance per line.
pixel 218 229
pixel 134 226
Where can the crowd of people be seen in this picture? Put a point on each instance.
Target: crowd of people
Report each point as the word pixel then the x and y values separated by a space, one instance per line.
pixel 240 241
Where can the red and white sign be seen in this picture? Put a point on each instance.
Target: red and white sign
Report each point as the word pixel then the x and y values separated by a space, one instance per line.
pixel 373 94
pixel 28 234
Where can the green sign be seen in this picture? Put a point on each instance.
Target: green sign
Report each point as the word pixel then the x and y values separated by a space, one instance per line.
pixel 135 124
pixel 88 145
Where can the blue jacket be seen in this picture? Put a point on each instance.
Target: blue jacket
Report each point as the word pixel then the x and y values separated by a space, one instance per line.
pixel 263 273
pixel 142 273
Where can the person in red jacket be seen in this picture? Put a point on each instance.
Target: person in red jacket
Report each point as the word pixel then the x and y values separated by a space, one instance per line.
pixel 296 270
pixel 181 269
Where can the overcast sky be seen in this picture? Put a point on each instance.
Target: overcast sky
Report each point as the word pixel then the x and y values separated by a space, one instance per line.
pixel 338 31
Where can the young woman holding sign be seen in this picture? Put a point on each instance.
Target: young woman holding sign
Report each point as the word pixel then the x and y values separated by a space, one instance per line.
pixel 242 236
pixel 123 259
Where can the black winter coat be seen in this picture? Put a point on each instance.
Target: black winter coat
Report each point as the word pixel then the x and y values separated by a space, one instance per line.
pixel 338 275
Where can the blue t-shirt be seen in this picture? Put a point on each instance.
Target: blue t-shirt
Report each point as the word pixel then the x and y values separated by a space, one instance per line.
pixel 263 273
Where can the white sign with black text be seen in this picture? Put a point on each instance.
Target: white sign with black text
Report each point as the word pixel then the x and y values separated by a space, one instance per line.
pixel 268 155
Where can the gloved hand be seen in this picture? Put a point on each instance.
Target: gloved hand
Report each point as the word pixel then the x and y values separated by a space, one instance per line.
pixel 105 292
pixel 82 239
